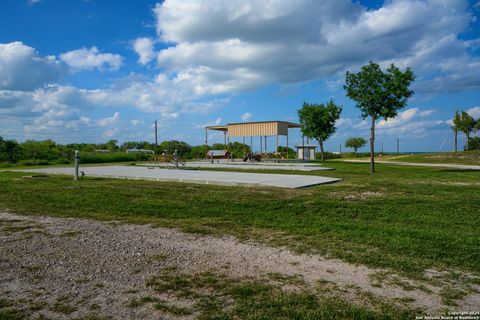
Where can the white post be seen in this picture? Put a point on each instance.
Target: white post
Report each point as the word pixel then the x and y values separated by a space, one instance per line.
pixel 77 162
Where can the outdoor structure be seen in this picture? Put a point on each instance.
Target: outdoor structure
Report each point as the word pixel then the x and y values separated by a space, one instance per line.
pixel 262 129
pixel 306 151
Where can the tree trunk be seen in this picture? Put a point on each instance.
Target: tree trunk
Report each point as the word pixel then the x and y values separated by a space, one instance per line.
pixel 354 152
pixel 468 138
pixel 372 146
pixel 456 135
pixel 321 150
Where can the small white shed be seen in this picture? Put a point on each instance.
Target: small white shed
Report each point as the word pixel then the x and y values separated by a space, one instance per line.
pixel 306 151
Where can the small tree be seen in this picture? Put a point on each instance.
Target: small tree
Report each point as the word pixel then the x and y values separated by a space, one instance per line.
pixel 379 94
pixel 467 125
pixel 355 144
pixel 318 121
pixel 455 127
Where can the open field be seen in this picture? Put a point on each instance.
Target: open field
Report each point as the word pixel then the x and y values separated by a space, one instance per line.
pixel 410 222
pixel 466 157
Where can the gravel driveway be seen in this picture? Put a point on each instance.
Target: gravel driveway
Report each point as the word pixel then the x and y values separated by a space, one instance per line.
pixel 68 268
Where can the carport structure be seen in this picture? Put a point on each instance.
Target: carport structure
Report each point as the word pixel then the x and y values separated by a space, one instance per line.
pixel 262 129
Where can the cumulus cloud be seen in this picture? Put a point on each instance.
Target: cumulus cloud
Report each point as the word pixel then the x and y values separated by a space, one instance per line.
pixel 88 59
pixel 144 47
pixel 474 112
pixel 135 122
pixel 246 117
pixel 109 120
pixel 411 122
pixel 22 68
pixel 343 122
pixel 238 45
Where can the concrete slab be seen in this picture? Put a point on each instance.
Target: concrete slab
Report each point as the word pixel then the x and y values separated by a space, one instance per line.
pixel 194 176
pixel 258 166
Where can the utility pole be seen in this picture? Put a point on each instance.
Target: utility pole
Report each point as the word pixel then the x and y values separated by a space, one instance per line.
pixel 156 134
pixel 398 146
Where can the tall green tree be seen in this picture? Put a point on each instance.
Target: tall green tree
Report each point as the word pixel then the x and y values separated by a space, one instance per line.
pixel 467 125
pixel 379 94
pixel 317 121
pixel 355 144
pixel 456 127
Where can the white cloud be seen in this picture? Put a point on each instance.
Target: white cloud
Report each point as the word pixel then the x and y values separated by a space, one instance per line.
pixel 238 45
pixel 109 120
pixel 427 112
pixel 22 68
pixel 145 50
pixel 474 112
pixel 362 125
pixel 216 122
pixel 247 117
pixel 135 122
pixel 343 122
pixel 88 59
pixel 110 133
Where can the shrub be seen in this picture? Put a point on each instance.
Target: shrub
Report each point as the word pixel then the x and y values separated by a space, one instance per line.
pixel 112 157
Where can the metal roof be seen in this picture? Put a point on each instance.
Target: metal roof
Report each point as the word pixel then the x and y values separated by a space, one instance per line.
pixel 258 128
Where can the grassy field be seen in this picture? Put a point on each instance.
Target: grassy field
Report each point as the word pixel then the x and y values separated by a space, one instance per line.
pixel 467 157
pixel 407 219
pixel 404 218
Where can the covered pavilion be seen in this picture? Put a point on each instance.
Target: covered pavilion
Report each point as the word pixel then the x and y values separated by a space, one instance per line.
pixel 262 129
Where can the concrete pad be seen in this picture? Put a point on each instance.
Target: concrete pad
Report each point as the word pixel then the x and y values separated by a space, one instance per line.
pixel 194 176
pixel 258 166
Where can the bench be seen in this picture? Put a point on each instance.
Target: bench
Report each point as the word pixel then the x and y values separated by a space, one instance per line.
pixel 218 154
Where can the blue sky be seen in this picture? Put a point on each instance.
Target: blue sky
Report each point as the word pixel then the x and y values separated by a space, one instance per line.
pixel 91 70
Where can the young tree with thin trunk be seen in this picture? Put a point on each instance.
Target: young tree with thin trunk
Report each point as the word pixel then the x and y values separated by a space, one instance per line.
pixel 378 95
pixel 355 144
pixel 467 125
pixel 318 121
pixel 455 127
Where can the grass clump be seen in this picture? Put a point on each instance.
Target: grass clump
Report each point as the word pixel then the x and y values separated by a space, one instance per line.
pixel 218 297
pixel 64 308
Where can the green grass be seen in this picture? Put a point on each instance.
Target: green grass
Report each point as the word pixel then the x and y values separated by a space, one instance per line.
pixel 218 297
pixel 404 218
pixel 466 157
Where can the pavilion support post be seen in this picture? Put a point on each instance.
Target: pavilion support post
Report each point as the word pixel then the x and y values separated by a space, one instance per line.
pixel 251 144
pixel 287 144
pixel 244 151
pixel 261 150
pixel 225 140
pixel 206 143
pixel 276 149
pixel 303 147
pixel 265 138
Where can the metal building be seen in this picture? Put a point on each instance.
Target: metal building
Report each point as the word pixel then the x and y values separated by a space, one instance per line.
pixel 262 129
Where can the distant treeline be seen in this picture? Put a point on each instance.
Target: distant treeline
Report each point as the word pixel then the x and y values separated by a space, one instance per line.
pixel 32 152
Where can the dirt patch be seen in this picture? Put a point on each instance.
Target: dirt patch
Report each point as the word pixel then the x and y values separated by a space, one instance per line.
pixel 76 268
